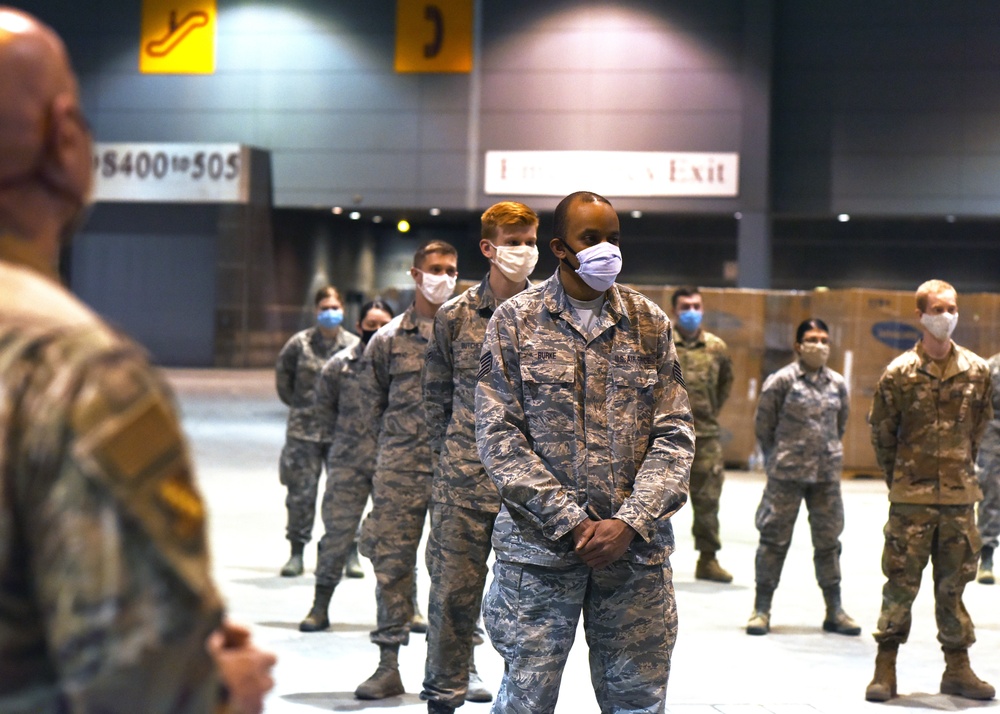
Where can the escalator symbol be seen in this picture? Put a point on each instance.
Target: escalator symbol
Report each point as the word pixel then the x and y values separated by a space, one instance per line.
pixel 176 32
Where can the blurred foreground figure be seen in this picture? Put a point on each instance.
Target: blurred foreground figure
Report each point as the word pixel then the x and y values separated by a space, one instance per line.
pixel 988 468
pixel 931 407
pixel 106 602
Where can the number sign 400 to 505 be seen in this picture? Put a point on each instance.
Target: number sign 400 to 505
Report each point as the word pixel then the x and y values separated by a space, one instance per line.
pixel 170 172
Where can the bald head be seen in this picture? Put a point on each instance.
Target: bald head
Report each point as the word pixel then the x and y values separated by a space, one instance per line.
pixel 34 73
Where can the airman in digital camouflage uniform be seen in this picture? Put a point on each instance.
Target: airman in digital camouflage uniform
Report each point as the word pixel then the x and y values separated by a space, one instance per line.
pixel 307 437
pixel 800 420
pixel 401 487
pixel 106 598
pixel 350 462
pixel 708 374
pixel 931 407
pixel 464 502
pixel 988 469
pixel 584 426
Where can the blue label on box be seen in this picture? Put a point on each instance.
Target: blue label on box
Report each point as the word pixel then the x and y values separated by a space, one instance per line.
pixel 898 335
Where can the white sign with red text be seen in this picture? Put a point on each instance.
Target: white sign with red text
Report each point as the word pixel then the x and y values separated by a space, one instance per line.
pixel 612 173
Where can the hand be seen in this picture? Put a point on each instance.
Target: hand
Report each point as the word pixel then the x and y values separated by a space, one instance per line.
pixel 582 533
pixel 606 542
pixel 244 669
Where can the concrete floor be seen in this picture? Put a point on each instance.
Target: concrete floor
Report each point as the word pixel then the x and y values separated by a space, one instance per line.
pixel 236 427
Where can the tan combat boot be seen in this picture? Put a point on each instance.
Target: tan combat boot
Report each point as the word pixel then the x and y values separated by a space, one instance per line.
pixel 294 567
pixel 708 568
pixel 477 690
pixel 386 681
pixel 760 621
pixel 958 677
pixel 986 566
pixel 883 685
pixel 837 620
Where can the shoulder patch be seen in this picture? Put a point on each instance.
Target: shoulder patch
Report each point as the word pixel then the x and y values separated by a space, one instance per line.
pixel 485 365
pixel 679 374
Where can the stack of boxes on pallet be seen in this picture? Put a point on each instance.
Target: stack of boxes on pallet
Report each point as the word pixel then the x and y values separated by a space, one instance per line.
pixel 868 328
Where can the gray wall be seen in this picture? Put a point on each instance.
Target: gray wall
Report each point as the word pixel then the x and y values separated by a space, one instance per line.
pixel 887 108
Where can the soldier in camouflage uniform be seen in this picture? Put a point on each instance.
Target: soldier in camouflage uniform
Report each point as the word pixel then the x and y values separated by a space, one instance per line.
pixel 106 597
pixel 708 374
pixel 464 502
pixel 401 487
pixel 350 462
pixel 307 437
pixel 988 469
pixel 930 410
pixel 800 421
pixel 584 426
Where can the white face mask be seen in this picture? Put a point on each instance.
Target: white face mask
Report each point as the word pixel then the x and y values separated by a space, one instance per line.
pixel 599 265
pixel 940 325
pixel 436 288
pixel 814 354
pixel 515 261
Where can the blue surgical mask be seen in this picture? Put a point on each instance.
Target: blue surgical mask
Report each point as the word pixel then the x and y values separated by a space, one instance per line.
pixel 330 318
pixel 599 265
pixel 689 320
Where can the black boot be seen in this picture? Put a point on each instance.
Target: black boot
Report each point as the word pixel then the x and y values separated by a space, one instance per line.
pixel 294 566
pixel 318 618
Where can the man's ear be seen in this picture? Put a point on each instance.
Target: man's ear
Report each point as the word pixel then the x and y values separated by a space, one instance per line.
pixel 558 248
pixel 66 155
pixel 485 248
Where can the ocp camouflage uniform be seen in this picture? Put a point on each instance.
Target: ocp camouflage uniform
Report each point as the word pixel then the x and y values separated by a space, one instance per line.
pixel 800 421
pixel 988 466
pixel 708 374
pixel 350 462
pixel 106 598
pixel 464 502
pixel 401 487
pixel 575 424
pixel 926 427
pixel 307 438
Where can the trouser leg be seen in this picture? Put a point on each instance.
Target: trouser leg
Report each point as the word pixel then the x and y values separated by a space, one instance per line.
pixel 347 491
pixel 775 520
pixel 707 475
pixel 531 614
pixel 954 557
pixel 909 534
pixel 629 622
pixel 457 551
pixel 299 469
pixel 390 538
pixel 825 505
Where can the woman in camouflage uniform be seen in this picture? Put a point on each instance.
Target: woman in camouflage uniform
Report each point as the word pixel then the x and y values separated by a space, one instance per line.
pixel 350 462
pixel 800 421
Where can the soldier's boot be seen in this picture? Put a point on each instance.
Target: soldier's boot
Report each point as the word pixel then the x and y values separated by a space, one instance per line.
pixel 419 623
pixel 352 568
pixel 477 691
pixel 318 618
pixel 837 620
pixel 958 677
pixel 760 621
pixel 882 688
pixel 986 566
pixel 434 707
pixel 386 681
pixel 294 566
pixel 708 568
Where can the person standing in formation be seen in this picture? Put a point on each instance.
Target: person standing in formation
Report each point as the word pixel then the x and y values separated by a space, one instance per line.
pixel 708 374
pixel 800 421
pixel 931 407
pixel 401 487
pixel 584 426
pixel 307 439
pixel 988 469
pixel 464 502
pixel 350 462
